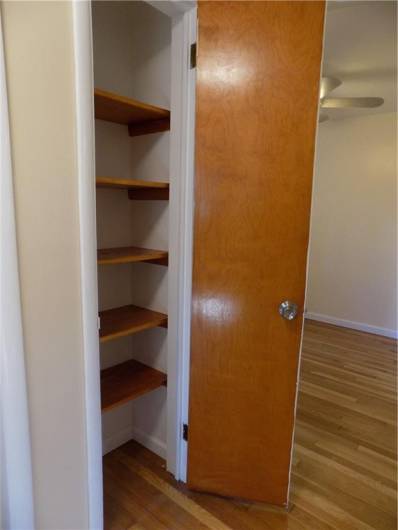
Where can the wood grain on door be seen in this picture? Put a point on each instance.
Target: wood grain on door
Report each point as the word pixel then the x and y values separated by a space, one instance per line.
pixel 257 100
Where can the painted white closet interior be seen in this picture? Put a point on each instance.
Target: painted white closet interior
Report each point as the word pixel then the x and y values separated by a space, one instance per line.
pixel 132 59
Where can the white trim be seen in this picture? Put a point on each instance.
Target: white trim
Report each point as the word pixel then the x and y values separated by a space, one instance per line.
pixel 16 491
pixel 360 326
pixel 173 8
pixel 119 438
pixel 84 89
pixel 181 237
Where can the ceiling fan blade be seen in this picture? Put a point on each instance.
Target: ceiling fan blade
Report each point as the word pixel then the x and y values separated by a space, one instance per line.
pixel 346 103
pixel 328 84
pixel 323 117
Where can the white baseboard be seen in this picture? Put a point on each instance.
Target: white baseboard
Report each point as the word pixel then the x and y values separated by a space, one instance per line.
pixel 119 438
pixel 385 332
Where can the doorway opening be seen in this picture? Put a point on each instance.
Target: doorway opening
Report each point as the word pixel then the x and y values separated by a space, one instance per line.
pixel 136 476
pixel 344 462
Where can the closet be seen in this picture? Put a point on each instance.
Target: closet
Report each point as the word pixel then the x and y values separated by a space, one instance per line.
pixel 132 65
pixel 253 141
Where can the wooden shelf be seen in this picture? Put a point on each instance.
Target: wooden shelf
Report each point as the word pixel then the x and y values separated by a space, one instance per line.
pixel 127 381
pixel 139 117
pixel 128 320
pixel 137 189
pixel 114 256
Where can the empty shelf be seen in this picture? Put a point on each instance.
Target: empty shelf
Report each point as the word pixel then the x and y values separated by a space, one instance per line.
pixel 137 189
pixel 127 381
pixel 139 117
pixel 113 256
pixel 128 320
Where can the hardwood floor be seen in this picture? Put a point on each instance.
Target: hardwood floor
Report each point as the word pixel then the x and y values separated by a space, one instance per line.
pixel 344 474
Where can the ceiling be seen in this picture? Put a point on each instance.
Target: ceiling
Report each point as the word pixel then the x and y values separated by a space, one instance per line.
pixel 360 50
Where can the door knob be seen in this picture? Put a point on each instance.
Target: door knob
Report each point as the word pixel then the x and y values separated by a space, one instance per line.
pixel 288 310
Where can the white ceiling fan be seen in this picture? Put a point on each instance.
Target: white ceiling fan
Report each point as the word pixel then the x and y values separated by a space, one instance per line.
pixel 330 83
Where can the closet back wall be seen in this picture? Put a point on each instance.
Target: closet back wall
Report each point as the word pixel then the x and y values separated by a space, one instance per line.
pixel 132 58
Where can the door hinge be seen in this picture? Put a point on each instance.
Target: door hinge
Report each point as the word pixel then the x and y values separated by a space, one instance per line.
pixel 193 53
pixel 185 432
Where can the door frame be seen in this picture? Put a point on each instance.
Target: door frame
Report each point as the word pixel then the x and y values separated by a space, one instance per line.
pixel 181 206
pixel 85 146
pixel 183 24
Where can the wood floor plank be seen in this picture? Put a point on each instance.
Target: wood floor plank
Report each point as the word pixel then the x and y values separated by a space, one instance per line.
pixel 149 499
pixel 347 452
pixel 127 504
pixel 235 514
pixel 343 478
pixel 344 466
pixel 322 507
pixel 202 517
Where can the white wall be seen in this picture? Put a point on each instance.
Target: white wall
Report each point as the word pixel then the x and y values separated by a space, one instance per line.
pixel 16 487
pixel 353 251
pixel 132 57
pixel 40 77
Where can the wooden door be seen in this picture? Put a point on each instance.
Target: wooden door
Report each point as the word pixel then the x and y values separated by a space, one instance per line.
pixel 257 97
